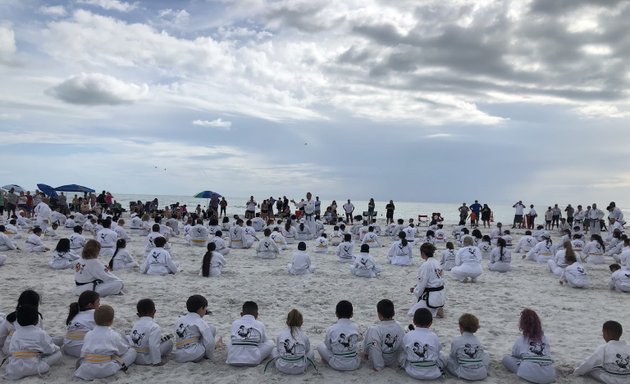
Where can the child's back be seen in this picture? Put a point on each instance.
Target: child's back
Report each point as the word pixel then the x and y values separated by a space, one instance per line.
pixel 383 343
pixel 422 354
pixel 248 345
pixel 292 351
pixel 468 359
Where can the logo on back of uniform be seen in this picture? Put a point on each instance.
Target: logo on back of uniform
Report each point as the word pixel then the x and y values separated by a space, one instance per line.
pixel 390 342
pixel 347 342
pixel 420 350
pixel 136 337
pixel 537 348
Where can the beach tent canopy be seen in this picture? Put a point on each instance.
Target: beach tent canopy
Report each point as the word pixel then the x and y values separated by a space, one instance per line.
pixel 207 195
pixel 47 189
pixel 74 188
pixel 15 187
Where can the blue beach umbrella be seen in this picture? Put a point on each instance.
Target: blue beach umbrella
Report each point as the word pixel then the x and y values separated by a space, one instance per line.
pixel 74 188
pixel 47 189
pixel 207 195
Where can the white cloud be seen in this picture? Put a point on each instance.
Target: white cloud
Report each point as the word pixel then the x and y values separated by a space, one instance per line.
pixel 7 41
pixel 115 5
pixel 97 89
pixel 439 136
pixel 177 18
pixel 54 10
pixel 217 123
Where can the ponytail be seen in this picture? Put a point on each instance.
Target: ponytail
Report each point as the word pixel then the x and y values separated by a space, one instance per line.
pixel 72 312
pixel 207 259
pixel 600 241
pixel 85 299
pixel 120 243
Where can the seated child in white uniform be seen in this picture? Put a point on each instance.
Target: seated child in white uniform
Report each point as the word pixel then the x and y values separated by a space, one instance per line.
pixel 303 232
pixel 609 363
pixel 77 241
pixel 238 239
pixel 195 337
pixel 159 261
pixel 9 323
pixel 32 351
pixel 105 351
pixel 107 238
pixel 51 232
pixel 197 235
pixel 594 250
pixel 500 257
pixel 448 257
pixel 344 250
pixel 467 262
pixel 6 244
pixel 526 243
pixel 485 247
pixel 79 322
pixel 34 243
pixel 382 345
pixel 277 237
pixel 364 264
pixel 267 248
pixel 531 355
pixel 336 237
pixel 220 243
pixel 371 238
pixel 120 230
pixel 468 360
pixel 145 336
pixel 292 353
pixel 301 263
pixel 91 275
pixel 400 251
pixel 619 279
pixel 421 357
pixel 574 275
pixel 558 262
pixel 543 251
pixel 249 344
pixel 121 259
pixel 340 347
pixel 289 232
pixel 321 244
pixel 212 263
pixel 62 256
pixel 12 230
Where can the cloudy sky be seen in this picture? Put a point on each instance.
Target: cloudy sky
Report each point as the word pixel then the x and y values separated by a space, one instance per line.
pixel 409 100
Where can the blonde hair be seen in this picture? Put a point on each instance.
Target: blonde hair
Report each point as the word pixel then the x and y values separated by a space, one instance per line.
pixel 91 250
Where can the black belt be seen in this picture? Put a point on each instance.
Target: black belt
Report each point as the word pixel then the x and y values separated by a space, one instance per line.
pixel 94 283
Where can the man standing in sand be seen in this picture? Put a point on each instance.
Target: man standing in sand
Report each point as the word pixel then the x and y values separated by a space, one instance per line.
pixel 463 214
pixel 349 209
pixel 518 214
pixel 595 215
pixel 250 208
pixel 309 211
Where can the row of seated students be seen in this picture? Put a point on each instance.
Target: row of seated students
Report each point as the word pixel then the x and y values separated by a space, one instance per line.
pixel 102 351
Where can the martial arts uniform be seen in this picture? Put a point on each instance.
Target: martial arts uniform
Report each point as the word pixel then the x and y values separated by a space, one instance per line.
pixel 303 234
pixel 173 224
pixel 593 253
pixel 620 280
pixel 440 236
pixel 340 346
pixel 365 266
pixel 135 223
pixel 6 244
pixel 220 245
pixel 216 264
pixel 467 264
pixel 88 226
pixel 32 352
pixel 79 326
pixel 344 251
pixel 12 232
pixel 448 259
pixel 250 235
pixel 301 264
pixel 383 344
pixel 336 238
pixel 531 361
pixel 575 276
pixel 499 262
pixel 34 243
pixel 92 275
pixel 525 244
pixel 508 240
pixel 578 247
pixel 371 239
pixel 63 260
pixel 399 254
pixel 212 229
pixel 410 234
pixel 421 355
pixel 159 262
pixel 609 363
pixel 557 264
pixel 248 344
pixel 42 214
pixel 289 235
pixel 166 231
pixel 321 245
pixel 258 224
pixel 468 360
pixel 595 215
pixel 121 233
pixel 542 252
pixel 70 223
pixel 429 287
pixel 624 258
pixel 77 242
pixel 104 353
pixel 50 233
pixel 486 249
pixel 59 218
pixel 238 240
pixel 292 353
pixel 150 244
pixel 123 260
pixel 197 236
pixel 146 339
pixel 107 238
pixel 195 338
pixel 267 249
pixel 309 216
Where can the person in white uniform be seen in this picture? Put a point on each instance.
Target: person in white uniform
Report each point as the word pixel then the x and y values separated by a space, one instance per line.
pixel 159 261
pixel 107 238
pixel 321 244
pixel 62 256
pixel 619 279
pixel 238 239
pixel 371 238
pixel 301 264
pixel 400 251
pixel 340 347
pixel 382 344
pixel 309 212
pixel 574 275
pixel 220 243
pixel 77 241
pixel 500 257
pixel 467 262
pixel 79 322
pixel 448 257
pixel 526 243
pixel 195 338
pixel 364 264
pixel 121 259
pixel 146 338
pixel 531 354
pixel 105 351
pixel 6 244
pixel 249 344
pixel 197 235
pixel 558 263
pixel 429 288
pixel 595 215
pixel 543 251
pixel 609 363
pixel 594 250
pixel 120 230
pixel 289 232
pixel 9 324
pixel 468 359
pixel 91 275
pixel 277 237
pixel 421 358
pixel 292 353
pixel 267 248
pixel 34 242
pixel 345 249
pixel 32 350
pixel 212 263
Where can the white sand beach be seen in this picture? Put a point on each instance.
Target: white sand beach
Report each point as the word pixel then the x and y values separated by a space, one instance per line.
pixel 571 318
